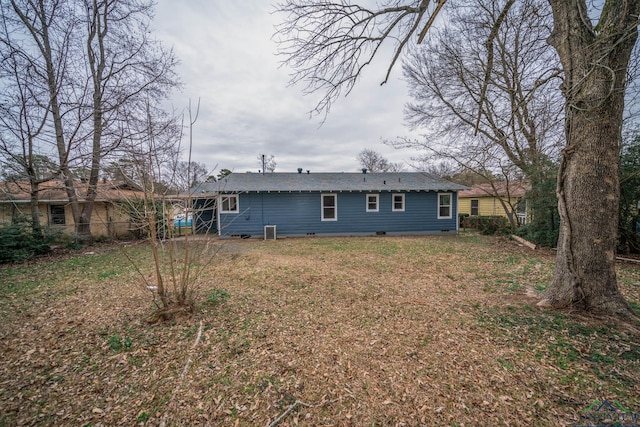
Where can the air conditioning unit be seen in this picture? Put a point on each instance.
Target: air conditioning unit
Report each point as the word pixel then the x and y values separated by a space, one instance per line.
pixel 269 232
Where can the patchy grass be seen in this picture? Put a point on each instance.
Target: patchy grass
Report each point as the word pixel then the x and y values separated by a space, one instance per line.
pixel 365 331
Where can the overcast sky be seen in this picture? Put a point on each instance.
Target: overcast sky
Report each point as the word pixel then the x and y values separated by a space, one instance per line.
pixel 246 107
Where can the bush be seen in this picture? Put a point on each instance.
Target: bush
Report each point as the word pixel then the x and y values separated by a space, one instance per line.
pixel 543 236
pixel 462 219
pixel 488 225
pixel 19 243
pixel 141 222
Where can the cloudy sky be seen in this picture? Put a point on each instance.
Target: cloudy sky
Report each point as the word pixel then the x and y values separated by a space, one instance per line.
pixel 246 106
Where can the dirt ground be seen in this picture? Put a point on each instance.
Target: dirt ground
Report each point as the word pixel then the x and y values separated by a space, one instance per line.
pixel 379 331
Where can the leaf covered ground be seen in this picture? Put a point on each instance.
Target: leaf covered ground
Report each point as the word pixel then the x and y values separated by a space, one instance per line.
pixel 367 331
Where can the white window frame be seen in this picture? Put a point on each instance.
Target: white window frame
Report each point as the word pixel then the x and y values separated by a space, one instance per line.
pixel 229 197
pixel 377 208
pixel 393 202
pixel 335 206
pixel 450 205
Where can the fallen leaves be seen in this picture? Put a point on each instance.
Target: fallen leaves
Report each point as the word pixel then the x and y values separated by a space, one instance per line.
pixel 364 331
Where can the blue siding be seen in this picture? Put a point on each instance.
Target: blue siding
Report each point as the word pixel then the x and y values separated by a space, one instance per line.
pixel 205 215
pixel 300 214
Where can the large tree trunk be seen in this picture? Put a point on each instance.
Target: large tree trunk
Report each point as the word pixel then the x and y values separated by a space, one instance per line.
pixel 595 68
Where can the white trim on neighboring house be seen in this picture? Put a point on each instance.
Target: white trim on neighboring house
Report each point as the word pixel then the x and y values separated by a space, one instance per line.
pixel 334 207
pixel 368 202
pixel 442 205
pixel 232 207
pixel 393 202
pixel 522 213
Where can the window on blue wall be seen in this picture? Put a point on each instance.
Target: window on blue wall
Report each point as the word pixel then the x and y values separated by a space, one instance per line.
pixel 329 207
pixel 229 204
pixel 372 203
pixel 444 206
pixel 398 203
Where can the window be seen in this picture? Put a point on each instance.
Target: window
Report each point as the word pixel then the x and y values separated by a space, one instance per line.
pixel 521 211
pixel 372 203
pixel 474 207
pixel 229 204
pixel 398 203
pixel 329 207
pixel 444 206
pixel 57 214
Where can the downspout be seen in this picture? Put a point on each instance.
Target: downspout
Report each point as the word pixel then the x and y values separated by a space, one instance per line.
pixel 456 213
pixel 217 205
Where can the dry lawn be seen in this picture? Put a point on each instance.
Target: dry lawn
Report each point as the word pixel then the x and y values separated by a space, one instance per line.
pixel 379 331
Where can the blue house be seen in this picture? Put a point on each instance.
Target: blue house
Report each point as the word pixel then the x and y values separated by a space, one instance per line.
pixel 326 204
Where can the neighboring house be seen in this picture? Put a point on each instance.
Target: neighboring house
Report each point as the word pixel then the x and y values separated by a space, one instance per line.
pixel 110 217
pixel 300 204
pixel 500 199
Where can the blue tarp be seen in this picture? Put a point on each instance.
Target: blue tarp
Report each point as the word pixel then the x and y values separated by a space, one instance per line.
pixel 181 221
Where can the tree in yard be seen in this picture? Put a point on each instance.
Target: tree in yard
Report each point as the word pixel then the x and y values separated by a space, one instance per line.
pixel 375 162
pixel 27 107
pixel 501 122
pixel 329 43
pixel 99 67
pixel 22 123
pixel 595 60
pixel 177 262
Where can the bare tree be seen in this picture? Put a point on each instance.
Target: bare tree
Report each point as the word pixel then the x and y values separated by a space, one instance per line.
pixel 512 110
pixel 40 34
pixel 177 263
pixel 188 174
pixel 519 124
pixel 442 169
pixel 100 67
pixel 127 70
pixel 267 163
pixel 23 119
pixel 328 44
pixel 376 162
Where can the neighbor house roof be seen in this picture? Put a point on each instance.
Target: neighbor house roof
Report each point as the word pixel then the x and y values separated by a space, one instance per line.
pixel 503 189
pixel 54 191
pixel 323 181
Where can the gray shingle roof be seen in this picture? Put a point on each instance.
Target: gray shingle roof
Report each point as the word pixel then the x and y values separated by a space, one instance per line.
pixel 327 182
